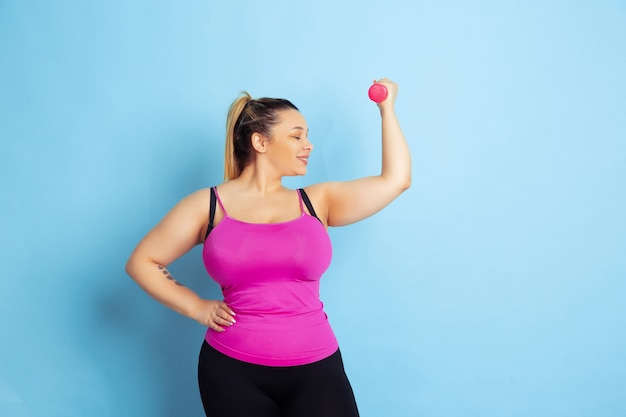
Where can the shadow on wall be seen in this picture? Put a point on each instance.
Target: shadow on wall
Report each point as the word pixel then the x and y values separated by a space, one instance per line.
pixel 144 353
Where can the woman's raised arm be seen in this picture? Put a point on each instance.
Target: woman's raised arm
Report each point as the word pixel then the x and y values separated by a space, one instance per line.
pixel 343 203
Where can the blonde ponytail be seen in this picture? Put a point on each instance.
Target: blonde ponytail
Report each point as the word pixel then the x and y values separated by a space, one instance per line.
pixel 232 167
pixel 246 117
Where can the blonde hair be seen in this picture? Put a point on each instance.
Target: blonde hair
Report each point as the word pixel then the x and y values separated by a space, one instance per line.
pixel 247 116
pixel 231 167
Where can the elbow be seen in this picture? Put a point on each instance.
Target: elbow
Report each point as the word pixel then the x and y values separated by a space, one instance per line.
pixel 400 179
pixel 129 268
pixel 404 184
pixel 399 184
pixel 400 187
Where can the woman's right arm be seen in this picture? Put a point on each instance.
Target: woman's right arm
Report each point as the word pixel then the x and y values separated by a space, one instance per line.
pixel 176 234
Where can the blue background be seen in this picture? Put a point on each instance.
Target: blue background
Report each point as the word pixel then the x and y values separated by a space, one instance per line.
pixel 494 286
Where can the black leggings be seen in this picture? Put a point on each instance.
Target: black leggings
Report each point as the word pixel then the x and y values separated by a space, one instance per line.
pixel 232 388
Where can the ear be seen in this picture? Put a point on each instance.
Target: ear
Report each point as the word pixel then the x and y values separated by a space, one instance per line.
pixel 259 143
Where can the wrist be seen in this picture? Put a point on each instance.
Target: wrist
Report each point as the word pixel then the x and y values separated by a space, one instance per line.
pixel 386 109
pixel 194 307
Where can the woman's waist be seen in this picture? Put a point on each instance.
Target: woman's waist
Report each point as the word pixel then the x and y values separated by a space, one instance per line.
pixel 279 320
pixel 265 339
pixel 275 342
pixel 276 303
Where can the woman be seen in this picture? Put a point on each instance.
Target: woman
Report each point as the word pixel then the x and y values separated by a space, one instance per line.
pixel 269 350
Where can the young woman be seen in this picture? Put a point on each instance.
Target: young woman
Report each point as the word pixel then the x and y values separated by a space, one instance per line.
pixel 269 350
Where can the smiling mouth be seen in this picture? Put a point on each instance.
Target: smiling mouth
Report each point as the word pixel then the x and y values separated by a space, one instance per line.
pixel 304 159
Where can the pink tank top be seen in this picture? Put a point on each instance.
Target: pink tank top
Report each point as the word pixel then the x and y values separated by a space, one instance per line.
pixel 270 276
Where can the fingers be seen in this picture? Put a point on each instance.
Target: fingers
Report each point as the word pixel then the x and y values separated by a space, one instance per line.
pixel 222 317
pixel 392 91
pixel 388 83
pixel 385 81
pixel 226 313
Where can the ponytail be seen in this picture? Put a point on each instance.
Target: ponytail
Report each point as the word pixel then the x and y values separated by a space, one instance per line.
pixel 246 117
pixel 232 168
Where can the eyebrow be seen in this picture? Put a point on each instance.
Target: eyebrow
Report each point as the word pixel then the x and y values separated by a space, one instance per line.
pixel 299 128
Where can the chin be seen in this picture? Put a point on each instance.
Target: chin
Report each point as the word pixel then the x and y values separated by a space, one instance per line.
pixel 294 174
pixel 299 171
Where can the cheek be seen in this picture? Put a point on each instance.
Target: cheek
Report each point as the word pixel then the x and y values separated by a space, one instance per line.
pixel 288 151
pixel 282 155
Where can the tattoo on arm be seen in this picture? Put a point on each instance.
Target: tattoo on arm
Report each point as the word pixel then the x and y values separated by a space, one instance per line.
pixel 169 276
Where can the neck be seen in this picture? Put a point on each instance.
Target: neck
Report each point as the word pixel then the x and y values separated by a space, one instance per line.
pixel 253 178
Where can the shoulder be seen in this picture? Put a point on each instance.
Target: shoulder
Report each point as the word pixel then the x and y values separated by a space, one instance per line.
pixel 314 191
pixel 319 191
pixel 318 195
pixel 199 195
pixel 191 213
pixel 198 200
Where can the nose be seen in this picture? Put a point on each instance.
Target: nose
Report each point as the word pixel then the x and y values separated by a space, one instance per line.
pixel 308 146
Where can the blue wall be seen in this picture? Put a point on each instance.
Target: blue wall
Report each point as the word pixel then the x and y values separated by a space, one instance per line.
pixel 494 287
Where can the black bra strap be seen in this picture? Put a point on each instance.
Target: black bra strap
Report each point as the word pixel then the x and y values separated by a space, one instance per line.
pixel 308 204
pixel 211 213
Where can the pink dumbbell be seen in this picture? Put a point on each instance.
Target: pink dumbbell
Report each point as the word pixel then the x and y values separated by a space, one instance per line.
pixel 377 93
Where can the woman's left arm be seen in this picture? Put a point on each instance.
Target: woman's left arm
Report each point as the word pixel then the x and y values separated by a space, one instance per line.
pixel 348 202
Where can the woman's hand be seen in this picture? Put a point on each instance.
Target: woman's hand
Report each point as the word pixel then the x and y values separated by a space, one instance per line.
pixel 392 92
pixel 214 314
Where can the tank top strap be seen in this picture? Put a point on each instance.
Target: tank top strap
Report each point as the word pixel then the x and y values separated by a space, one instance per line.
pixel 304 198
pixel 219 201
pixel 212 204
pixel 301 202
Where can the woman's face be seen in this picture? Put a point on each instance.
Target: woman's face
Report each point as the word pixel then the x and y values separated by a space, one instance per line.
pixel 289 148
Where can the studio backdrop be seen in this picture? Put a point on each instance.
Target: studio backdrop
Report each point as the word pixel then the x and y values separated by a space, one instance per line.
pixel 493 287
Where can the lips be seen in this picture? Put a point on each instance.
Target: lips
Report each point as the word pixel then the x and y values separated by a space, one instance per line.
pixel 304 158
